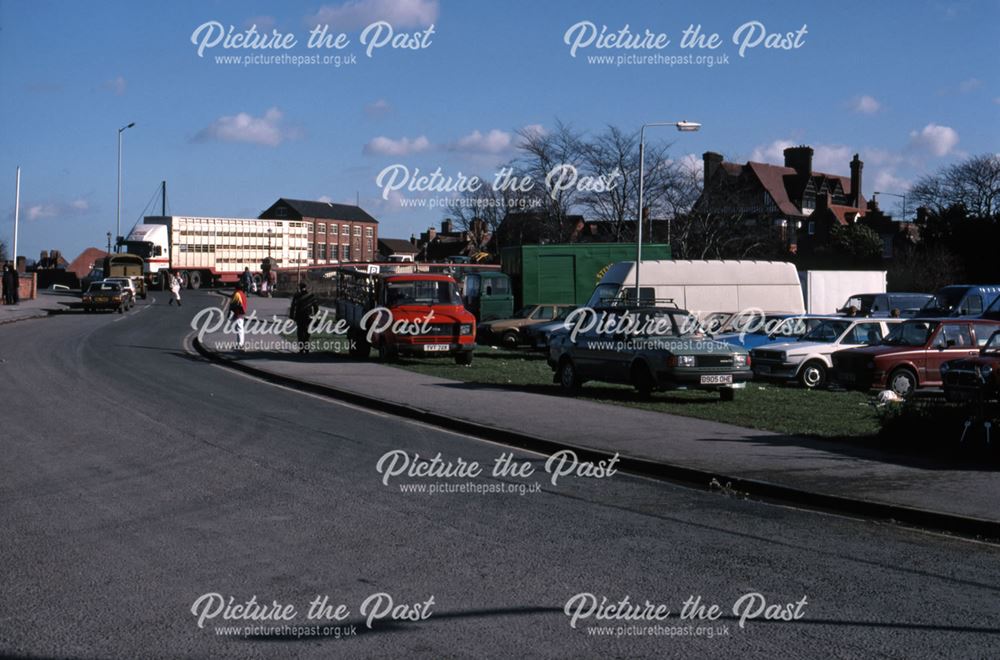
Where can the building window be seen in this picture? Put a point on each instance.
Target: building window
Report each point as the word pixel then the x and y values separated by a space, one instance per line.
pixel 357 230
pixel 309 250
pixel 321 228
pixel 368 247
pixel 812 227
pixel 347 230
pixel 369 232
pixel 333 230
pixel 346 253
pixel 322 251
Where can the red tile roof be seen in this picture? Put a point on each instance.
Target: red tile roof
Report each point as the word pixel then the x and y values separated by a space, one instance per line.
pixel 85 261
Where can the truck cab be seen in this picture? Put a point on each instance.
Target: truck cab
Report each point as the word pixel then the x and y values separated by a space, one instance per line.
pixel 488 295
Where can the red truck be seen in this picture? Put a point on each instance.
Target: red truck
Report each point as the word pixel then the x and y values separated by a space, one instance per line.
pixel 411 314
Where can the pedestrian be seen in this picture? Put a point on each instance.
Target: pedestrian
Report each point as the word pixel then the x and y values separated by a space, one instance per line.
pixel 175 289
pixel 237 310
pixel 246 279
pixel 11 282
pixel 304 307
pixel 272 281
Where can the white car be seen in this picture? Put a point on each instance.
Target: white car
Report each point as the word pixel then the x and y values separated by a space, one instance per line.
pixel 126 284
pixel 809 360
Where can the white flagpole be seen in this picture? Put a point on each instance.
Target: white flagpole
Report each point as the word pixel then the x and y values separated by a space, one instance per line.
pixel 17 212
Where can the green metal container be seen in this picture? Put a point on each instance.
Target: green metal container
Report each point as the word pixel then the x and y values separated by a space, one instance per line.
pixel 566 273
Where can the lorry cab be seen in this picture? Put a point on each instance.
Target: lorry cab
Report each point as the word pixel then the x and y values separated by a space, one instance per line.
pixel 961 300
pixel 488 295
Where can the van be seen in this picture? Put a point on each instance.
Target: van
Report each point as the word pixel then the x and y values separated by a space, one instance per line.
pixel 958 300
pixel 706 286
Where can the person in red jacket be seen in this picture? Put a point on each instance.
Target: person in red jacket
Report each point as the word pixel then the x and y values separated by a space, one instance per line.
pixel 237 310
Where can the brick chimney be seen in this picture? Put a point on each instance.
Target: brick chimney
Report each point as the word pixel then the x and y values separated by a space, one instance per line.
pixel 713 162
pixel 446 226
pixel 431 234
pixel 856 166
pixel 799 159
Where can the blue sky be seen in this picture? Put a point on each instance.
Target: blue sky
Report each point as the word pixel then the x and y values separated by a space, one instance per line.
pixel 911 86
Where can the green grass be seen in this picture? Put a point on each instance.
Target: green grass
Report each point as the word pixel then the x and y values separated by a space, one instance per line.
pixel 778 408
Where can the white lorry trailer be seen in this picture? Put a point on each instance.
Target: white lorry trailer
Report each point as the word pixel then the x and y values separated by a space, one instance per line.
pixel 206 251
pixel 825 291
pixel 705 287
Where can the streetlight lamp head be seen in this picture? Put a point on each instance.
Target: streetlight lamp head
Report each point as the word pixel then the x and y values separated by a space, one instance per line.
pixel 130 125
pixel 688 126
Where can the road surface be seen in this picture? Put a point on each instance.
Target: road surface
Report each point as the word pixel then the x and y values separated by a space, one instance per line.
pixel 137 480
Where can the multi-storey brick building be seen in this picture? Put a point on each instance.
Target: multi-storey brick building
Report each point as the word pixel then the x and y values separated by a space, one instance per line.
pixel 337 232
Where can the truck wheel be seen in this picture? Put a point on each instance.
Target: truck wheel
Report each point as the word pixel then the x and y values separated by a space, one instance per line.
pixel 387 353
pixel 903 382
pixel 727 394
pixel 359 348
pixel 569 381
pixel 813 374
pixel 185 278
pixel 194 279
pixel 161 281
pixel 510 339
pixel 464 358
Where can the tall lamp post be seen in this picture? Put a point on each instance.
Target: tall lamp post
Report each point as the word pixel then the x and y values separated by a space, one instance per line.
pixel 877 193
pixel 118 212
pixel 684 126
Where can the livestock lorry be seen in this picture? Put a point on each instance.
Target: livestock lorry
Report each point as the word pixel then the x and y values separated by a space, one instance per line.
pixel 206 251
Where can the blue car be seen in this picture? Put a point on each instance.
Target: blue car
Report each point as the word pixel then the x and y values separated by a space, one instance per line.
pixel 760 331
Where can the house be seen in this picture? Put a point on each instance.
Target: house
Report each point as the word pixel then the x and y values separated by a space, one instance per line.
pixel 434 245
pixel 799 204
pixel 337 232
pixel 86 261
pixel 397 247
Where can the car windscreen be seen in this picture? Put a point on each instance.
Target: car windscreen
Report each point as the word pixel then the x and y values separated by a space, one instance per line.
pixel 603 294
pixel 426 292
pixel 911 333
pixel 827 332
pixel 665 324
pixel 945 299
pixel 104 287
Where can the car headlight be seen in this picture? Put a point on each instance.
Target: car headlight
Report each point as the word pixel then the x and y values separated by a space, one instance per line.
pixel 681 361
pixel 783 356
pixel 465 329
pixel 740 360
pixel 984 372
pixel 945 368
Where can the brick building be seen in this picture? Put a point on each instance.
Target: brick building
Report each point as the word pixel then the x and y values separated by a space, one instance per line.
pixel 337 232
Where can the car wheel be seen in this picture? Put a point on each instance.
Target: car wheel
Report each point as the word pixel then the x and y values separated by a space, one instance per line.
pixel 813 375
pixel 569 381
pixel 359 348
pixel 642 380
pixel 903 382
pixel 386 352
pixel 727 394
pixel 510 339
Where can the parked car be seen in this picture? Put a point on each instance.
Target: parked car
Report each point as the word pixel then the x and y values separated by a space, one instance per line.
pixel 537 335
pixel 107 296
pixel 881 305
pixel 128 288
pixel 912 355
pixel 665 355
pixel 993 311
pixel 772 328
pixel 809 360
pixel 507 332
pixel 960 300
pixel 974 378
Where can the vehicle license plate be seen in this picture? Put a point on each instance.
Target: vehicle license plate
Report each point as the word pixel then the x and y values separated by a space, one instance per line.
pixel 436 347
pixel 764 368
pixel 722 379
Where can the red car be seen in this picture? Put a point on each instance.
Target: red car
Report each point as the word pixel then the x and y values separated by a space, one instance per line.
pixel 911 356
pixel 974 378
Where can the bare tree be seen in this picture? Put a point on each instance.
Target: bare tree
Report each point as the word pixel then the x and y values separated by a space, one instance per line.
pixel 973 184
pixel 540 154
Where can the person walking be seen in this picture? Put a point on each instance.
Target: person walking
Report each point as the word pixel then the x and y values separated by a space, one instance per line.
pixel 11 282
pixel 246 279
pixel 304 307
pixel 237 310
pixel 175 289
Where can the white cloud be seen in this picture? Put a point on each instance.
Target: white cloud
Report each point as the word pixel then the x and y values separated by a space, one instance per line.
pixel 55 209
pixel 383 146
pixel 356 14
pixel 326 199
pixel 934 139
pixel 263 23
pixel 116 85
pixel 828 158
pixel 969 85
pixel 866 105
pixel 243 127
pixel 378 108
pixel 886 180
pixel 493 142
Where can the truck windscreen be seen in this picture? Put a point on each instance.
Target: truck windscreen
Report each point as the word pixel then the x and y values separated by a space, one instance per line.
pixel 430 292
pixel 143 249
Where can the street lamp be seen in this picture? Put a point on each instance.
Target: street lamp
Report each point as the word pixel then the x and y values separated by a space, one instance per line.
pixel 684 127
pixel 118 212
pixel 877 193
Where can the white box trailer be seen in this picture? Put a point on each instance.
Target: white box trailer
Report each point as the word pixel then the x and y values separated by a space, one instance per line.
pixel 209 250
pixel 825 291
pixel 703 287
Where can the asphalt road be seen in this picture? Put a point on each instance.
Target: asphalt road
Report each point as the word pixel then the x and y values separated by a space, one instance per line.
pixel 135 478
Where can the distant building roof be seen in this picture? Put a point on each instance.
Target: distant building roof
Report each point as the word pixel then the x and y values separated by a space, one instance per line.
pixel 397 246
pixel 85 261
pixel 325 210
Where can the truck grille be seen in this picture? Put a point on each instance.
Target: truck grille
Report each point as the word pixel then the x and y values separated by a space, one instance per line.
pixel 773 356
pixel 714 360
pixel 438 329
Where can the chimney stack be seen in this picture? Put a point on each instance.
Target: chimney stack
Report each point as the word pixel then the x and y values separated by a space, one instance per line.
pixel 713 162
pixel 799 159
pixel 856 166
pixel 446 226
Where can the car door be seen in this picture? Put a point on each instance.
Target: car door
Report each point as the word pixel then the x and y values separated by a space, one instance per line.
pixel 953 341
